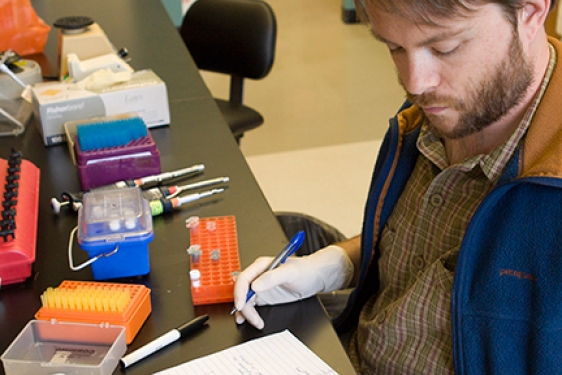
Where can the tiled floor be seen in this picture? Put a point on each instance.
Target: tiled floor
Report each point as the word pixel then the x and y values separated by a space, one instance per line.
pixel 326 103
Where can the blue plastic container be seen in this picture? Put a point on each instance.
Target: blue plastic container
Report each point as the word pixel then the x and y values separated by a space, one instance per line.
pixel 115 228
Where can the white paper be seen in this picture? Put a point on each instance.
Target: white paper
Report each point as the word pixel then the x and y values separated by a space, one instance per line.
pixel 280 353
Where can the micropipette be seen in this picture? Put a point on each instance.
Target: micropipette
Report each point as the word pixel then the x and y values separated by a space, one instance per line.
pixel 163 205
pixel 173 191
pixel 75 199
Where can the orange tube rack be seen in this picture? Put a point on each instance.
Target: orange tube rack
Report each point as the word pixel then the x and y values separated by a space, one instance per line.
pixel 92 302
pixel 218 262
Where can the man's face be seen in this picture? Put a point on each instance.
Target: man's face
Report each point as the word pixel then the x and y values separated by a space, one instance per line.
pixel 465 74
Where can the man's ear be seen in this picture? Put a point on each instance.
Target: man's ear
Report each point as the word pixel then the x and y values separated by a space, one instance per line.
pixel 531 18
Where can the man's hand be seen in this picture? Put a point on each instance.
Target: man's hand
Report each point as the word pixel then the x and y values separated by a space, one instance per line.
pixel 326 270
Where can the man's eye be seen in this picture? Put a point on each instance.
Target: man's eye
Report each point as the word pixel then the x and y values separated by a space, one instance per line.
pixel 445 51
pixel 395 49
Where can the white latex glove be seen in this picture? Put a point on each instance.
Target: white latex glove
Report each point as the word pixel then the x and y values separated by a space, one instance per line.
pixel 101 79
pixel 325 270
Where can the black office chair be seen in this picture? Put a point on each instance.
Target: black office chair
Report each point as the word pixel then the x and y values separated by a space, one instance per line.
pixel 235 37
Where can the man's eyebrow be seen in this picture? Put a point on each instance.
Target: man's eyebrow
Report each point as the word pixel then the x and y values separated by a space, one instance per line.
pixel 434 39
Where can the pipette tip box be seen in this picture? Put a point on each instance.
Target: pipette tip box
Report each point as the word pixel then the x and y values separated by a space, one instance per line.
pixel 106 165
pixel 52 347
pixel 218 262
pixel 126 305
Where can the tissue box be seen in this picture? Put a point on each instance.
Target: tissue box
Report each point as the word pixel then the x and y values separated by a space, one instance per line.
pixel 57 103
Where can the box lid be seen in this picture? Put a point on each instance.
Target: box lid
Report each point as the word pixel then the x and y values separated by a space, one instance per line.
pixel 47 347
pixel 114 215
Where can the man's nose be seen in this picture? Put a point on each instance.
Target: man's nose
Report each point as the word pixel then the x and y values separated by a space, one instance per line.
pixel 420 74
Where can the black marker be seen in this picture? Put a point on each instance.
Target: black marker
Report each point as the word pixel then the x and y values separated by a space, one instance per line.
pixel 164 340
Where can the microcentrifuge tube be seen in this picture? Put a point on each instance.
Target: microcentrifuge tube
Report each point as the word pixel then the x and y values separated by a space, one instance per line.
pixel 130 223
pixel 215 254
pixel 192 222
pixel 195 276
pixel 211 226
pixel 195 252
pixel 114 225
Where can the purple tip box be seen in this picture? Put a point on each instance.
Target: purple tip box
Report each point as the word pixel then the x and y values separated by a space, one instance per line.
pixel 139 158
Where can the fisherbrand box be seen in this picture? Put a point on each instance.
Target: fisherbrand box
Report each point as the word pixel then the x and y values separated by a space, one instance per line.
pixel 57 103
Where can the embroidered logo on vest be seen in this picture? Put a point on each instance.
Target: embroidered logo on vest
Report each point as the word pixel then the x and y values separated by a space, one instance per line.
pixel 519 274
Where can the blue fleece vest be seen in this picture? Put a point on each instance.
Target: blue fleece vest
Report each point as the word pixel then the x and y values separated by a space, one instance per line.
pixel 507 293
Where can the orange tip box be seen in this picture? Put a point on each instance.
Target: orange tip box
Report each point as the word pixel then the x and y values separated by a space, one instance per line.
pixel 214 259
pixel 93 302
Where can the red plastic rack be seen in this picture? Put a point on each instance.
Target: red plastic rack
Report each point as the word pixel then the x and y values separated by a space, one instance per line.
pixel 218 262
pixel 18 232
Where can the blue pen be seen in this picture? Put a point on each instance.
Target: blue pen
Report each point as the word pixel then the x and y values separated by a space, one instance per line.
pixel 289 250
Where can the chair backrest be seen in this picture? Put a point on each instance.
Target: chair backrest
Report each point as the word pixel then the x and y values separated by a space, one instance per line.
pixel 235 37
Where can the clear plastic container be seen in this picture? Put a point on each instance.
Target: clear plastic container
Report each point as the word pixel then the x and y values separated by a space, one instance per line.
pixel 115 226
pixel 111 215
pixel 49 347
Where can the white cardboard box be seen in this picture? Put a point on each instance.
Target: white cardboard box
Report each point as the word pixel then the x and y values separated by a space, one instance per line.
pixel 56 103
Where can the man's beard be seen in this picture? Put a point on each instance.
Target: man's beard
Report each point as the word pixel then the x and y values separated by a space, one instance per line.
pixel 487 100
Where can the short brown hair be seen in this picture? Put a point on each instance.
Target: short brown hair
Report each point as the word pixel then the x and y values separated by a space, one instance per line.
pixel 428 11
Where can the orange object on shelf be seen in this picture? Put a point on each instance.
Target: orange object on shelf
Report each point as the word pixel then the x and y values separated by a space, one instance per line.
pixel 217 260
pixel 22 30
pixel 93 302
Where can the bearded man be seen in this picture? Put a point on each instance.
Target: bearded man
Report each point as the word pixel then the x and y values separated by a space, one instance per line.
pixel 459 260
